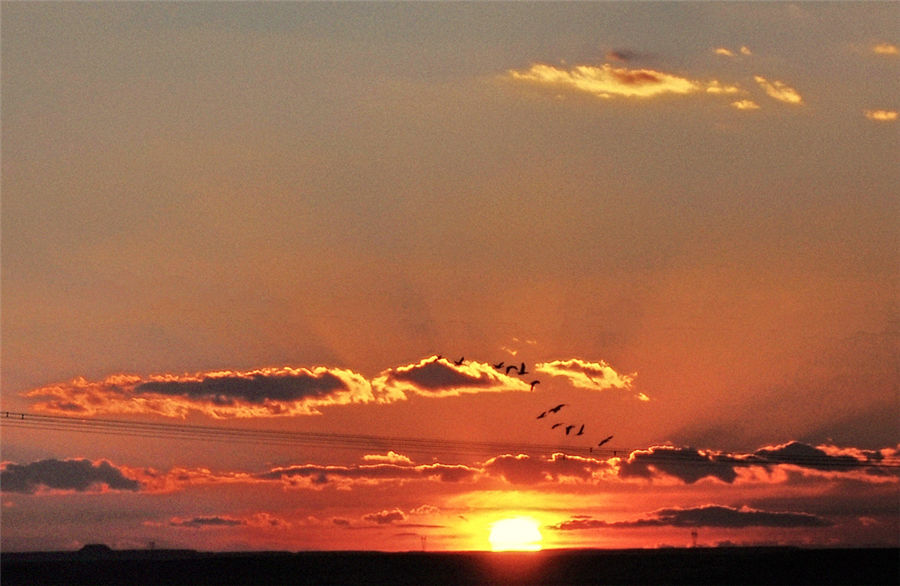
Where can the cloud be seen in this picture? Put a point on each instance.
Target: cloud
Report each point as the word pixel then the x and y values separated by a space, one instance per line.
pixel 524 469
pixel 686 464
pixel 717 87
pixel 690 465
pixel 704 516
pixel 607 81
pixel 779 90
pixel 823 458
pixel 724 52
pixel 264 392
pixel 69 475
pixel 881 115
pixel 594 376
pixel 385 517
pixel 885 49
pixel 437 377
pixel 391 457
pixel 318 476
pixel 205 522
pixel 745 105
pixel 261 520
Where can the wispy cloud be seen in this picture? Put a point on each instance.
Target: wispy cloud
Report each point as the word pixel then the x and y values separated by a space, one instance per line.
pixel 607 81
pixel 885 49
pixel 391 457
pixel 583 374
pixel 64 475
pixel 704 516
pixel 779 90
pixel 725 52
pixel 881 115
pixel 319 476
pixel 745 105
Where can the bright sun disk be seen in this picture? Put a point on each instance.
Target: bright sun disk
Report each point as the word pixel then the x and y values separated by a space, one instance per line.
pixel 515 534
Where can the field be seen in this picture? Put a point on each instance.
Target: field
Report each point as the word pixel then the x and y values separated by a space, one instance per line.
pixel 659 566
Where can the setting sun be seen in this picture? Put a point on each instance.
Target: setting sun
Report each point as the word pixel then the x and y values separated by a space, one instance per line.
pixel 516 534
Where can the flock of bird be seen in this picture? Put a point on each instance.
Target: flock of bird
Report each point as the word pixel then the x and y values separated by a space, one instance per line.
pixel 521 370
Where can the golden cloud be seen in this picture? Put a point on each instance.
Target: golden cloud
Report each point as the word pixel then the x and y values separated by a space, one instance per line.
pixel 265 392
pixel 881 115
pixel 779 90
pixel 885 49
pixel 745 105
pixel 583 374
pixel 607 81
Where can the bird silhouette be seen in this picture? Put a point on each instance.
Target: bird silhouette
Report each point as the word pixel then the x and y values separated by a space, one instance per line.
pixel 581 431
pixel 604 441
pixel 460 361
pixel 557 408
pixel 499 365
pixel 522 369
pixel 569 428
pixel 555 425
pixel 534 382
pixel 542 415
pixel 511 367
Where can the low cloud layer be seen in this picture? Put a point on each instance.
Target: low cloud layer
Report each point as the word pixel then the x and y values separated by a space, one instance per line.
pixel 65 475
pixel 705 516
pixel 689 465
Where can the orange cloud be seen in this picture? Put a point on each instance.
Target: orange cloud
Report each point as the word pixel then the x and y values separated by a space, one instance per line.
pixel 716 87
pixel 779 90
pixel 391 457
pixel 881 115
pixel 264 392
pixel 744 50
pixel 595 376
pixel 885 49
pixel 287 391
pixel 437 377
pixel 607 81
pixel 745 105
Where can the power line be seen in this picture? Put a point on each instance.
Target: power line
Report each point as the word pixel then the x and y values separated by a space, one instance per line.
pixel 170 431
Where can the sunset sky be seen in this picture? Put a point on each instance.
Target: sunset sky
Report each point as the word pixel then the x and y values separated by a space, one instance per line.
pixel 297 218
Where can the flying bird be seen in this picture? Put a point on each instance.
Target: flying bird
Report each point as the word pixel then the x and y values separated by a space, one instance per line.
pixel 557 408
pixel 542 415
pixel 569 428
pixel 511 366
pixel 604 441
pixel 499 365
pixel 522 369
pixel 534 382
pixel 460 361
pixel 581 431
pixel 555 425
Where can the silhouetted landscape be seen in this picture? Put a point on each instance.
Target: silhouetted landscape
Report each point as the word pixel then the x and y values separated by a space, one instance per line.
pixel 775 565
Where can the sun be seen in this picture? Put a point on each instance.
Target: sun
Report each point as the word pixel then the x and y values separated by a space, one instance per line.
pixel 515 534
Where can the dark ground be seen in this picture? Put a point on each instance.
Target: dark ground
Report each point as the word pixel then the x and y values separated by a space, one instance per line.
pixel 660 566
